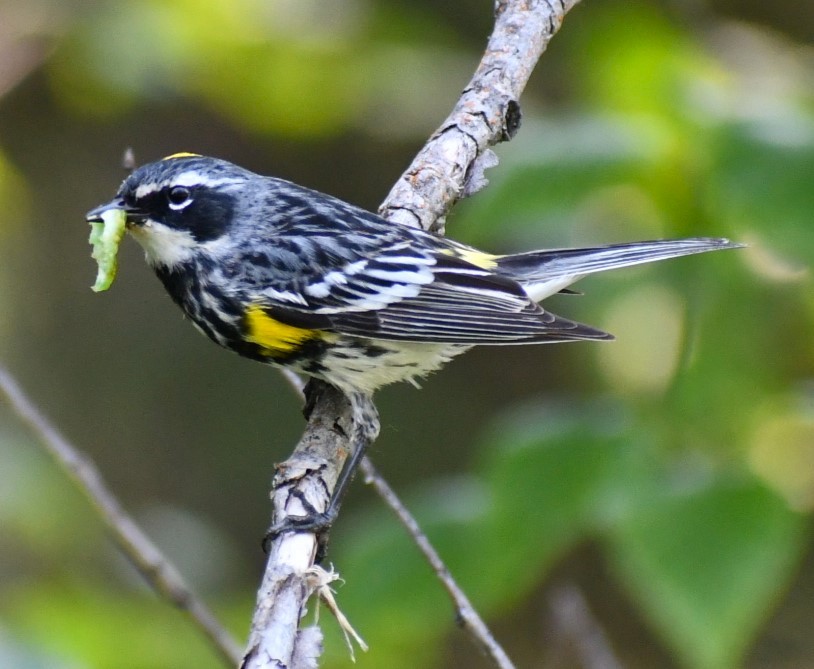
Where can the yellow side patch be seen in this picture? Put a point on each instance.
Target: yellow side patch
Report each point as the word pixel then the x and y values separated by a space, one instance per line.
pixel 183 154
pixel 477 258
pixel 275 337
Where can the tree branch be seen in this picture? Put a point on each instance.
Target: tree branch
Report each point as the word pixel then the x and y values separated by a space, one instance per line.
pixel 486 113
pixel 159 572
pixel 467 616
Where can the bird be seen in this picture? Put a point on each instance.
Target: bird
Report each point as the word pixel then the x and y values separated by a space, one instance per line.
pixel 292 277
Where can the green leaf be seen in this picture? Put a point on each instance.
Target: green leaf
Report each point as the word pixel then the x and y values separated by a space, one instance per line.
pixel 707 565
pixel 96 626
pixel 760 185
pixel 551 470
pixel 548 476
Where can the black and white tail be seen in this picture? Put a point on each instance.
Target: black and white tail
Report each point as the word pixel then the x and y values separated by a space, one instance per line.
pixel 543 273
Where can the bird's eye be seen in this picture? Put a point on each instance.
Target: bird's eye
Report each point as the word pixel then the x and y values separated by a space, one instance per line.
pixel 179 197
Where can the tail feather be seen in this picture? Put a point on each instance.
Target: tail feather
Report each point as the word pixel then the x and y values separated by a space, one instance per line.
pixel 543 273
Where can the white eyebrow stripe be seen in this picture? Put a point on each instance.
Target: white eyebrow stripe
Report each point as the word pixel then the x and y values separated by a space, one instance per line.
pixel 146 189
pixel 190 178
pixel 194 178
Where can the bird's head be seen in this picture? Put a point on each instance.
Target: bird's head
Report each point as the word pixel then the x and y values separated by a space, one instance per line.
pixel 176 205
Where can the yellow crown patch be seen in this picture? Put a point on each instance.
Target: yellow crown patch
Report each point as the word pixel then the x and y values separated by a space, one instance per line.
pixel 183 154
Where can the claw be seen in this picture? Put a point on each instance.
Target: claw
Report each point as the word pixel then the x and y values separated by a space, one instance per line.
pixel 313 523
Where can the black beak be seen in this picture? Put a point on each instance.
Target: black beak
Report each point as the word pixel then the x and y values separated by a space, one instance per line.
pixel 133 215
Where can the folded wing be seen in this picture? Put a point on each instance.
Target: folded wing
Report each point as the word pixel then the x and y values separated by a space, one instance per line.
pixel 419 295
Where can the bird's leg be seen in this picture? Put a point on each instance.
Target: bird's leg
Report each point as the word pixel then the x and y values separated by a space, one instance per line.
pixel 364 428
pixel 311 391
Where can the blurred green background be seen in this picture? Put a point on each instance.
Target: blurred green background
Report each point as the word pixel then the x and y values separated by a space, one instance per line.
pixel 649 498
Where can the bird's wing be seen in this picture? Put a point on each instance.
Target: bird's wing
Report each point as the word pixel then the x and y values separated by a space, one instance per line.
pixel 412 293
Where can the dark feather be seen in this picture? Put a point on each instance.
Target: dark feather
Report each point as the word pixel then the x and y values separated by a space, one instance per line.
pixel 553 263
pixel 463 304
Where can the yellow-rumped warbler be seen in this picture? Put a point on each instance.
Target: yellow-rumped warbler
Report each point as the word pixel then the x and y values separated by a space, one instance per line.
pixel 289 276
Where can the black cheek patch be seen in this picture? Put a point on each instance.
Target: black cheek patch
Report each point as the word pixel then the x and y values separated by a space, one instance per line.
pixel 209 215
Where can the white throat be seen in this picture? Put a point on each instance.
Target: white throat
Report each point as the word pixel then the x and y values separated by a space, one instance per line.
pixel 164 246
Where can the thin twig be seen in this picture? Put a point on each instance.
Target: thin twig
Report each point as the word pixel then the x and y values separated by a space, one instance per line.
pixel 468 617
pixel 448 167
pixel 159 572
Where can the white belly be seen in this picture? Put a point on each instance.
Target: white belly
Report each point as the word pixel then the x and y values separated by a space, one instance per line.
pixel 350 367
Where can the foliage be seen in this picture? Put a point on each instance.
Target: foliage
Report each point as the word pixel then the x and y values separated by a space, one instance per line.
pixel 689 470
